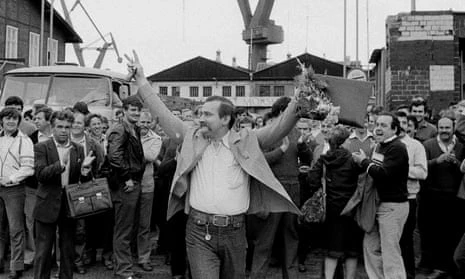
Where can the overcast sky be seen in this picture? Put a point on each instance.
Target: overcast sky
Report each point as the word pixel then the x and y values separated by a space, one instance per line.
pixel 168 32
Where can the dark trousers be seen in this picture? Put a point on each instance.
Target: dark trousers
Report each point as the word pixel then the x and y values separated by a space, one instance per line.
pixel 125 206
pixel 222 255
pixel 276 225
pixel 406 240
pixel 459 258
pixel 45 239
pixel 177 243
pixel 99 229
pixel 440 229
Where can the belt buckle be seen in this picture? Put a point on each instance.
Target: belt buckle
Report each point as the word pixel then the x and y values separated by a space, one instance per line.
pixel 220 220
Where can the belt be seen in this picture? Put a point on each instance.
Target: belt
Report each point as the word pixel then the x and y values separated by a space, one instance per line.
pixel 217 220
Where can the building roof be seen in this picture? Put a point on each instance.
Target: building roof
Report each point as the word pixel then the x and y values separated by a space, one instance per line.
pixel 200 69
pixel 71 36
pixel 288 69
pixel 375 55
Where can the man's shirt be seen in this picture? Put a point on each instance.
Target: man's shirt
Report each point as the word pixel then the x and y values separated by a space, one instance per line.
pixel 218 183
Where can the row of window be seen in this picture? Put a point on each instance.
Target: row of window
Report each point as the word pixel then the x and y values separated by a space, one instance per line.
pixel 206 91
pixel 11 46
pixel 264 91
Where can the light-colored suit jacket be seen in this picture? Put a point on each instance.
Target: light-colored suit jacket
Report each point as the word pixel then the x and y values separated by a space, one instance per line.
pixel 246 146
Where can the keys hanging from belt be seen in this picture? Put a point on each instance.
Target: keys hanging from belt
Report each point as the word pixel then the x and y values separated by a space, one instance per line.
pixel 208 236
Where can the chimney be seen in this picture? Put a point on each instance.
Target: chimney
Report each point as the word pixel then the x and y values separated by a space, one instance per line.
pixel 234 63
pixel 414 6
pixel 218 56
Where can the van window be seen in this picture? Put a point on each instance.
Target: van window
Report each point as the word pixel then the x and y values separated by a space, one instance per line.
pixel 30 89
pixel 66 91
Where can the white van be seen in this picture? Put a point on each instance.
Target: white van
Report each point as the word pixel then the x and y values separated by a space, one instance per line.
pixel 62 86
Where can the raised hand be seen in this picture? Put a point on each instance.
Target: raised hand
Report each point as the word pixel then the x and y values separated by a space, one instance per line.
pixel 88 160
pixel 135 69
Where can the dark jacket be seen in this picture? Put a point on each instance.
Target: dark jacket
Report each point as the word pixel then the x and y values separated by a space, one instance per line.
pixel 48 173
pixel 390 175
pixel 341 178
pixel 125 155
pixel 443 178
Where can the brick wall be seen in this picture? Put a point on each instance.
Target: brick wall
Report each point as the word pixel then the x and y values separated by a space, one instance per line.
pixel 423 59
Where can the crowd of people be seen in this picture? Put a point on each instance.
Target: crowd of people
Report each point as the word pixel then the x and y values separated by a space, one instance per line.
pixel 223 189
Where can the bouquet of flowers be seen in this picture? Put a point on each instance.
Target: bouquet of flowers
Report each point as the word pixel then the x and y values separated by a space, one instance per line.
pixel 314 102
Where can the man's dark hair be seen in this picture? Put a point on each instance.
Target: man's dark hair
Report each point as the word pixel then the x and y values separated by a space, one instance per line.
pixel 226 108
pixel 279 106
pixel 104 119
pixel 414 121
pixel 63 115
pixel 247 120
pixel 240 111
pixel 81 107
pixel 28 113
pixel 14 101
pixel 395 124
pixel 418 101
pixel 46 111
pixel 133 101
pixel 92 116
pixel 400 114
pixel 266 117
pixel 11 113
pixel 36 107
pixel 403 106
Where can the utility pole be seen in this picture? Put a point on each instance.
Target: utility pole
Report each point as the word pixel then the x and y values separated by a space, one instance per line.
pixel 345 38
pixel 42 24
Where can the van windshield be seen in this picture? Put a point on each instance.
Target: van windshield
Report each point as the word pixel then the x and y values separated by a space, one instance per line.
pixel 65 91
pixel 30 89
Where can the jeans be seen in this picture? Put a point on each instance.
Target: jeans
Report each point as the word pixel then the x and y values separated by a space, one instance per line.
pixel 29 203
pixel 381 248
pixel 125 206
pixel 14 197
pixel 406 241
pixel 216 252
pixel 143 227
pixel 276 226
pixel 3 232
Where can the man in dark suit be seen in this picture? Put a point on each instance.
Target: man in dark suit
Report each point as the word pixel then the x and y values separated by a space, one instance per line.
pixel 58 162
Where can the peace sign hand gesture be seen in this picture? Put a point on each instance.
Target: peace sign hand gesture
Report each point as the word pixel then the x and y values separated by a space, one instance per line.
pixel 135 69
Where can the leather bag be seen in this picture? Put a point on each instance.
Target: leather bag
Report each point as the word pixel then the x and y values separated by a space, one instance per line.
pixel 88 198
pixel 314 209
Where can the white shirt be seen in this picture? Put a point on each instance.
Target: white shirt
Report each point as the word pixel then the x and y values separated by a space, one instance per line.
pixel 218 183
pixel 16 157
pixel 418 165
pixel 63 153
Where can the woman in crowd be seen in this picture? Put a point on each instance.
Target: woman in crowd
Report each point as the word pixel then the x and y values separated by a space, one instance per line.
pixel 343 237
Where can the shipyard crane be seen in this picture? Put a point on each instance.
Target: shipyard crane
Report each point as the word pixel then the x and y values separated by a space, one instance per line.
pixel 107 44
pixel 259 30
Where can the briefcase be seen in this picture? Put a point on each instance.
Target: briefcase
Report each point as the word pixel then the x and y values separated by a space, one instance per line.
pixel 88 198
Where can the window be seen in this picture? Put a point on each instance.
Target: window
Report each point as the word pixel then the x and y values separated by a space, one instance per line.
pixel 264 91
pixel 278 91
pixel 226 91
pixel 193 91
pixel 163 90
pixel 34 49
pixel 175 92
pixel 207 91
pixel 11 47
pixel 52 51
pixel 240 91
